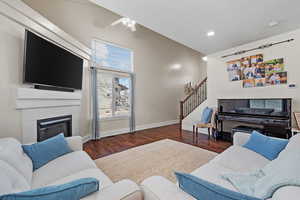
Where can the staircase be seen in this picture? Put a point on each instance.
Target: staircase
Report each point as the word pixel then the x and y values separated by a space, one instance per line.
pixel 192 101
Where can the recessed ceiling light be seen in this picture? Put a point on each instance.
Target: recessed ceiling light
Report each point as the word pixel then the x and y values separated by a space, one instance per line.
pixel 210 33
pixel 273 23
pixel 204 58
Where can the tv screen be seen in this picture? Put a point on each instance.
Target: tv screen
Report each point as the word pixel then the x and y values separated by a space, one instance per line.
pixel 48 64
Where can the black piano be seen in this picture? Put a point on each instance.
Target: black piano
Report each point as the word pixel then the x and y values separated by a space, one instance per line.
pixel 274 115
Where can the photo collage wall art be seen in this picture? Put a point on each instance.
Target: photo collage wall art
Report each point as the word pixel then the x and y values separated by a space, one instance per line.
pixel 255 72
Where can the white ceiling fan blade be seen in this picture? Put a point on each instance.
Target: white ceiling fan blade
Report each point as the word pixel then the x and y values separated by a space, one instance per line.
pixel 117 22
pixel 126 22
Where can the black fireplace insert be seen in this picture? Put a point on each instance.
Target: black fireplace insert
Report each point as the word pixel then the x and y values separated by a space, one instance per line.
pixel 47 128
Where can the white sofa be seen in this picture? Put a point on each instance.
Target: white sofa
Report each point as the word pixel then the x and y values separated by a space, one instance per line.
pixel 234 159
pixel 16 173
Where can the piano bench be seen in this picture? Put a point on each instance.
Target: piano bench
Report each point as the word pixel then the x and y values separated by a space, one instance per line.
pixel 245 129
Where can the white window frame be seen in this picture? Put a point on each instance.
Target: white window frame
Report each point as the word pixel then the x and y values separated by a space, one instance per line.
pixel 112 72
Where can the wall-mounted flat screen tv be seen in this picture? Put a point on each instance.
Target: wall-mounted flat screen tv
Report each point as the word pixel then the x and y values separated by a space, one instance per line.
pixel 48 64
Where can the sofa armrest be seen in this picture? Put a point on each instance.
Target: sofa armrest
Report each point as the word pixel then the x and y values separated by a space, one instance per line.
pixel 122 190
pixel 240 138
pixel 159 188
pixel 75 143
pixel 287 192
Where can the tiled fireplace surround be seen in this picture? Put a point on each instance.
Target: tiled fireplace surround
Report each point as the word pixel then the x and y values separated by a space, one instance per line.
pixel 36 104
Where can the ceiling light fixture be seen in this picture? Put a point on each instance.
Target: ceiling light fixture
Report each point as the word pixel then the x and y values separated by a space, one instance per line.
pixel 210 33
pixel 126 22
pixel 204 58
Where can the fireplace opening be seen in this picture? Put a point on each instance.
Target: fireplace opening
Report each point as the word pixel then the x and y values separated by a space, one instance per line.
pixel 47 128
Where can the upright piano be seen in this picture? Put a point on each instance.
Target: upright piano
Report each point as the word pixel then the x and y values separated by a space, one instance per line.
pixel 273 114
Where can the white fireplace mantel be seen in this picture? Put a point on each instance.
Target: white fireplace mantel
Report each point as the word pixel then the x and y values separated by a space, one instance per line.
pixel 29 98
pixel 37 104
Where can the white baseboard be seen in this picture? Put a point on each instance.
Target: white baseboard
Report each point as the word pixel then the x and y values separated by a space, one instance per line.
pixel 86 138
pixel 126 130
pixel 155 125
pixel 114 132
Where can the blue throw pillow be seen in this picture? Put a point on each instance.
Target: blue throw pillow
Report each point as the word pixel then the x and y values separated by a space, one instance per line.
pixel 268 147
pixel 43 152
pixel 74 190
pixel 206 115
pixel 204 190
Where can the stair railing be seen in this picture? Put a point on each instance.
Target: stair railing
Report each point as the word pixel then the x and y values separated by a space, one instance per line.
pixel 192 101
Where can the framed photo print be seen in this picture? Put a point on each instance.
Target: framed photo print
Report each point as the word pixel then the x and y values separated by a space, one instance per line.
pixel 234 70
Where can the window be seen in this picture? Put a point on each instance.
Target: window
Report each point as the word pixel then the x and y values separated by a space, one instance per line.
pixel 105 95
pixel 113 79
pixel 113 95
pixel 121 101
pixel 111 56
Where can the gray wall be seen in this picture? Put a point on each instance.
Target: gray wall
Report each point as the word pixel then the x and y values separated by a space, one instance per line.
pixel 11 59
pixel 159 86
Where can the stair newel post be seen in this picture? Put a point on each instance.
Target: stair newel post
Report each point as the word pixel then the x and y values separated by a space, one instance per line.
pixel 205 89
pixel 181 117
pixel 197 98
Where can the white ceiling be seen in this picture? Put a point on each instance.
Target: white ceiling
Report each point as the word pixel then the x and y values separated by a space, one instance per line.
pixel 235 22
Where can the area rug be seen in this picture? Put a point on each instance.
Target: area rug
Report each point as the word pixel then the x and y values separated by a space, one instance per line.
pixel 160 158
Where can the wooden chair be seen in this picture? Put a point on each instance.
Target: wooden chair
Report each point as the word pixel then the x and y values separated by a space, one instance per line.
pixel 210 126
pixel 296 130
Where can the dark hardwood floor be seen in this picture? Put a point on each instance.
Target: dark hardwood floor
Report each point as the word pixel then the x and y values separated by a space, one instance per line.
pixel 114 144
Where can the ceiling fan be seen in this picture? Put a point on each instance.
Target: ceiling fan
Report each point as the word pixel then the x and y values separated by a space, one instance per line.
pixel 126 22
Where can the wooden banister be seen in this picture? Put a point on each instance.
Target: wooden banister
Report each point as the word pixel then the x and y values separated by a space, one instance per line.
pixel 192 101
pixel 196 89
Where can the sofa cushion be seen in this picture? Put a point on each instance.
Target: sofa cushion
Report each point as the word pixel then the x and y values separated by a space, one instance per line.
pixel 122 190
pixel 93 172
pixel 265 182
pixel 283 171
pixel 287 192
pixel 12 153
pixel 63 166
pixel 160 188
pixel 269 147
pixel 43 152
pixel 205 190
pixel 211 172
pixel 11 181
pixel 240 159
pixel 292 146
pixel 74 190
